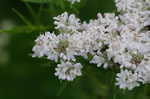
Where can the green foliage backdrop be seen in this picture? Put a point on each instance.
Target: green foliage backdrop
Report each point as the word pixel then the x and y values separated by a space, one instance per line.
pixel 24 77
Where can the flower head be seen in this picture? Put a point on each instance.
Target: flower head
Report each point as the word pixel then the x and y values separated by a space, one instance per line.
pixel 68 71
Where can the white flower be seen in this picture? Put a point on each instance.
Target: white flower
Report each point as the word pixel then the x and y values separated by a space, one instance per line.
pixel 67 23
pixel 144 71
pixel 52 46
pixel 83 43
pixel 42 42
pixel 122 39
pixel 130 5
pixel 127 80
pixel 68 71
pixel 98 60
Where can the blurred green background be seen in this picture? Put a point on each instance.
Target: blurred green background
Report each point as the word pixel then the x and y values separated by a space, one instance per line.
pixel 24 77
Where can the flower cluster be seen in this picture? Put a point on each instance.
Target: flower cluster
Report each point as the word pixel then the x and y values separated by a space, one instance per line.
pixel 111 39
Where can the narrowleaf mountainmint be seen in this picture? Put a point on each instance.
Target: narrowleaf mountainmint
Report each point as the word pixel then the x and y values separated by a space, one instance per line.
pixel 122 39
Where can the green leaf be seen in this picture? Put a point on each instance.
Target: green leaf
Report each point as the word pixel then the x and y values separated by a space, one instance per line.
pixel 59 3
pixel 37 1
pixel 23 18
pixel 25 29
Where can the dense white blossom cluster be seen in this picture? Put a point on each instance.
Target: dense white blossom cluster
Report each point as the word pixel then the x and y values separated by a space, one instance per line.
pixel 122 39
